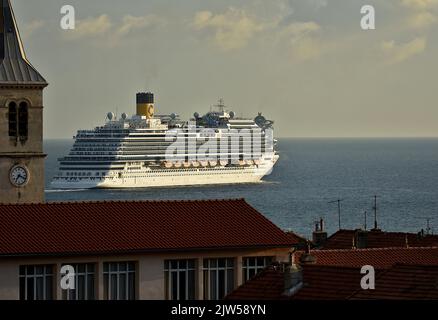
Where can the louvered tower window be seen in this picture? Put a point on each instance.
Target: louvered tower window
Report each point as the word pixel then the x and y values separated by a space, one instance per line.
pixel 13 125
pixel 23 117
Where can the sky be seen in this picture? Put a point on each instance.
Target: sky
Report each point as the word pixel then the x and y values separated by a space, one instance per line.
pixel 306 64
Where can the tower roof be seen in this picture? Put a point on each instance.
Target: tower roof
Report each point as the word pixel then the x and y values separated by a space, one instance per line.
pixel 14 66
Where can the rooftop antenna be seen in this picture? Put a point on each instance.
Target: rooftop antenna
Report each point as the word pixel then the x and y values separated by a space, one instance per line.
pixel 221 105
pixel 339 210
pixel 375 213
pixel 365 216
pixel 428 228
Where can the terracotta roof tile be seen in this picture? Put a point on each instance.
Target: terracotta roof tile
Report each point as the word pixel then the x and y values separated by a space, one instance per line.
pixel 343 239
pixel 380 258
pixel 110 227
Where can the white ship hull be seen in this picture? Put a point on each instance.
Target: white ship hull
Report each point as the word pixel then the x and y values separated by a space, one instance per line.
pixel 171 177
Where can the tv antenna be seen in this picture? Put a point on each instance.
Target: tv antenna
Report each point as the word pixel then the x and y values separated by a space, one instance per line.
pixel 365 217
pixel 338 201
pixel 375 213
pixel 428 228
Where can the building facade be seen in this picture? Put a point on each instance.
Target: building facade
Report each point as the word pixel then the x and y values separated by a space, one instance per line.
pixel 21 118
pixel 176 250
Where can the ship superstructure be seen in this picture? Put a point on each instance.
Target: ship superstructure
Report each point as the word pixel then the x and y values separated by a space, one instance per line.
pixel 148 150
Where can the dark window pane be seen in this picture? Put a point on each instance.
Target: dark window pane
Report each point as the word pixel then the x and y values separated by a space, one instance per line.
pixel 30 289
pixel 49 270
pixel 230 263
pixel 105 267
pixel 166 265
pixel 221 263
pixel 90 287
pixel 191 285
pixel 174 264
pixel 122 287
pixel 22 288
pixel 81 287
pixel 122 266
pixel 131 266
pixel 106 286
pixel 113 287
pixel 213 263
pixel 113 267
pixel 191 264
pixel 90 267
pixel 260 262
pixel 22 270
pixel 183 264
pixel 182 285
pixel 174 285
pixel 131 286
pixel 230 281
pixel 30 270
pixel 49 288
pixel 39 288
pixel 39 270
pixel 80 268
pixel 213 285
pixel 221 284
pixel 206 286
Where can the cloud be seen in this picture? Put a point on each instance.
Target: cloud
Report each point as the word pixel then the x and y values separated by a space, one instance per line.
pixel 30 28
pixel 91 27
pixel 397 53
pixel 420 4
pixel 422 20
pixel 231 30
pixel 301 41
pixel 131 23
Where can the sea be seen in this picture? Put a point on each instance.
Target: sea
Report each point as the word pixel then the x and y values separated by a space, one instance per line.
pixel 309 176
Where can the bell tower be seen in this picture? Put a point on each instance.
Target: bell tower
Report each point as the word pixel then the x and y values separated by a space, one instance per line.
pixel 21 118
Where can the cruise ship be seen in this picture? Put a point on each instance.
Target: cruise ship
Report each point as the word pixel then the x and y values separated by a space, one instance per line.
pixel 149 150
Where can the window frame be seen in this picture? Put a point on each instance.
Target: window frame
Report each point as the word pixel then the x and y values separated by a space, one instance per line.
pixel 208 269
pixel 106 276
pixel 168 272
pixel 247 267
pixel 87 274
pixel 45 275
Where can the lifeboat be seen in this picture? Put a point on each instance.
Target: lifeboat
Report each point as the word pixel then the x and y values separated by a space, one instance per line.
pixel 168 164
pixel 213 163
pixel 186 164
pixel 177 164
pixel 242 162
pixel 257 162
pixel 195 164
pixel 204 163
pixel 249 162
pixel 223 162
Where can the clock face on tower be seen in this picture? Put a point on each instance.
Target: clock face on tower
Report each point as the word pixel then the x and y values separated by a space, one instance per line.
pixel 19 176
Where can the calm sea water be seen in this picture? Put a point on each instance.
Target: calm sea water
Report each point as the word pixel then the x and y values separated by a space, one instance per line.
pixel 309 174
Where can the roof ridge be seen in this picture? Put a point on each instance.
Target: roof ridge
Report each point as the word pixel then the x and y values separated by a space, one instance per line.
pixel 125 201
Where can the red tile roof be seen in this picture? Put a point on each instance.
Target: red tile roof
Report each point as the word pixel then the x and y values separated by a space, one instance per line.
pixel 119 227
pixel 267 285
pixel 343 239
pixel 340 283
pixel 380 258
pixel 404 282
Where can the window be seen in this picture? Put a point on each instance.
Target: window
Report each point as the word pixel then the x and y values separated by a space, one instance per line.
pixel 36 282
pixel 179 278
pixel 23 116
pixel 13 130
pixel 218 278
pixel 253 265
pixel 119 280
pixel 85 284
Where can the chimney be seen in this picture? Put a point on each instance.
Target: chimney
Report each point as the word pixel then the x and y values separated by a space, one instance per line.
pixel 361 239
pixel 319 236
pixel 293 276
pixel 145 104
pixel 307 257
